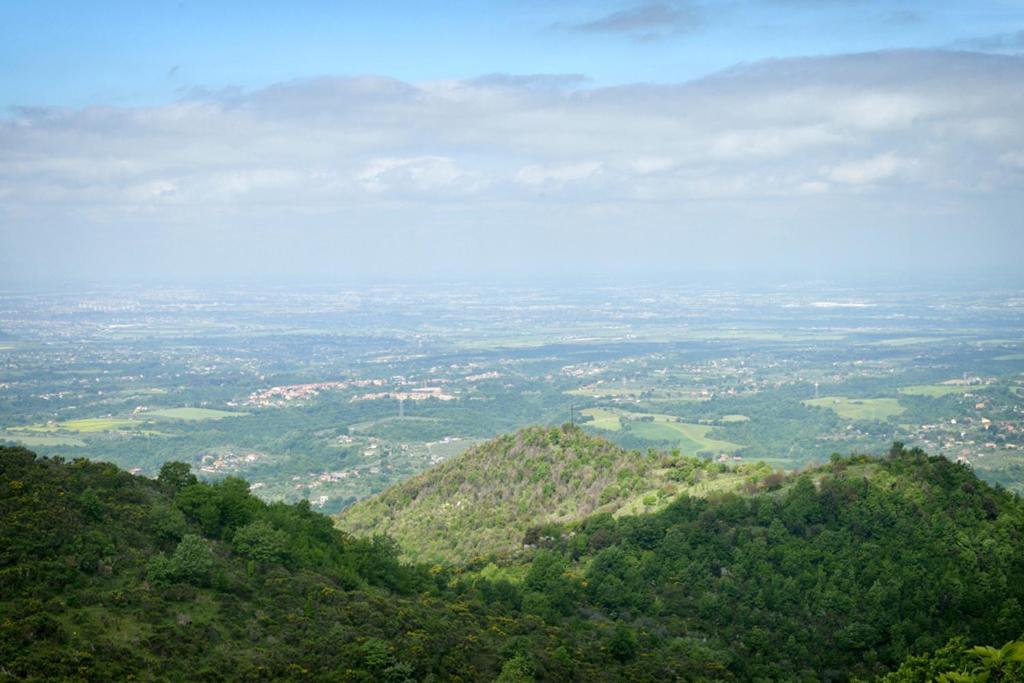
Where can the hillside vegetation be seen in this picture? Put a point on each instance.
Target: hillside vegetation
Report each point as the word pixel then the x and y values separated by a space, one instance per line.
pixel 854 570
pixel 484 501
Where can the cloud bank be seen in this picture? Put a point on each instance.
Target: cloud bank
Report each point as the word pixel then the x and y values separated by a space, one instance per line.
pixel 910 148
pixel 646 22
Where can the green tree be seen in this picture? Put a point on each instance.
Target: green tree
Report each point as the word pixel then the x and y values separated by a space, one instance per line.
pixel 192 561
pixel 622 645
pixel 176 476
pixel 518 669
pixel 260 541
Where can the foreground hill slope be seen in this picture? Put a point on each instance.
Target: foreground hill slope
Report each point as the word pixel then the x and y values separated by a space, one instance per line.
pixel 483 501
pixel 105 576
pixel 840 573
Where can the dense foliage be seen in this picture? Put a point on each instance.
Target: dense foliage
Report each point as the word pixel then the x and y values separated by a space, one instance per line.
pixel 483 501
pixel 849 570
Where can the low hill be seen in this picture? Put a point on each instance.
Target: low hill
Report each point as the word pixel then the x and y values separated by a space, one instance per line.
pixel 484 501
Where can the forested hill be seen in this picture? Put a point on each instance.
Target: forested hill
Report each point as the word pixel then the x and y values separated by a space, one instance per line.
pixel 484 501
pixel 847 571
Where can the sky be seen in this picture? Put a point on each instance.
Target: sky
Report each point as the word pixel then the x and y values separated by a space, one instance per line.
pixel 341 141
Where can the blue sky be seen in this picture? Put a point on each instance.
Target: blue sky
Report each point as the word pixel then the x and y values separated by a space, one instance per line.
pixel 81 53
pixel 391 140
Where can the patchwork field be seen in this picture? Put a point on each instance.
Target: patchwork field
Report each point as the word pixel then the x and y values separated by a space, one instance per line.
pixel 933 390
pixel 193 414
pixel 688 437
pixel 907 341
pixel 604 419
pixel 91 425
pixel 859 408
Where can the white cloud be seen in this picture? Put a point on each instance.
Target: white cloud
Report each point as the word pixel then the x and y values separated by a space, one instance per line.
pixel 1013 159
pixel 361 140
pixel 557 174
pixel 873 170
pixel 874 130
pixel 416 174
pixel 649 165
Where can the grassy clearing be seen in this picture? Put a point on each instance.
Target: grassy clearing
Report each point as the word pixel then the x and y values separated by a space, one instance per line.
pixel 370 425
pixel 879 409
pixel 192 414
pixel 642 503
pixel 36 440
pixel 604 419
pixel 142 391
pixel 91 425
pixel 688 437
pixel 443 450
pixel 933 390
pixel 735 418
pixel 1011 356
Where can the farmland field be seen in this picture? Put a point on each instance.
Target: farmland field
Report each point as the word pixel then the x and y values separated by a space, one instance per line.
pixel 604 419
pixel 933 390
pixel 91 425
pixel 859 408
pixel 193 414
pixel 688 437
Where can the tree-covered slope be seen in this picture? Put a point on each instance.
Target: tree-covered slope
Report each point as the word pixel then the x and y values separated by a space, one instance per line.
pixel 106 576
pixel 483 502
pixel 846 570
pixel 843 572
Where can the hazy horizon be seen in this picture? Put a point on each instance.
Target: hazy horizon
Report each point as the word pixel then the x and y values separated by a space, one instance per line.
pixel 676 141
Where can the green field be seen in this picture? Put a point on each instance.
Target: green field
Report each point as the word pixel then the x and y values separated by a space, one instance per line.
pixel 604 419
pixel 1011 356
pixel 91 425
pixel 907 341
pixel 735 418
pixel 193 414
pixel 688 437
pixel 933 390
pixel 859 408
pixel 408 420
pixel 36 440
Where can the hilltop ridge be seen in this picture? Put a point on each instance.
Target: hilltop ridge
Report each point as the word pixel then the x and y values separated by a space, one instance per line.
pixel 485 500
